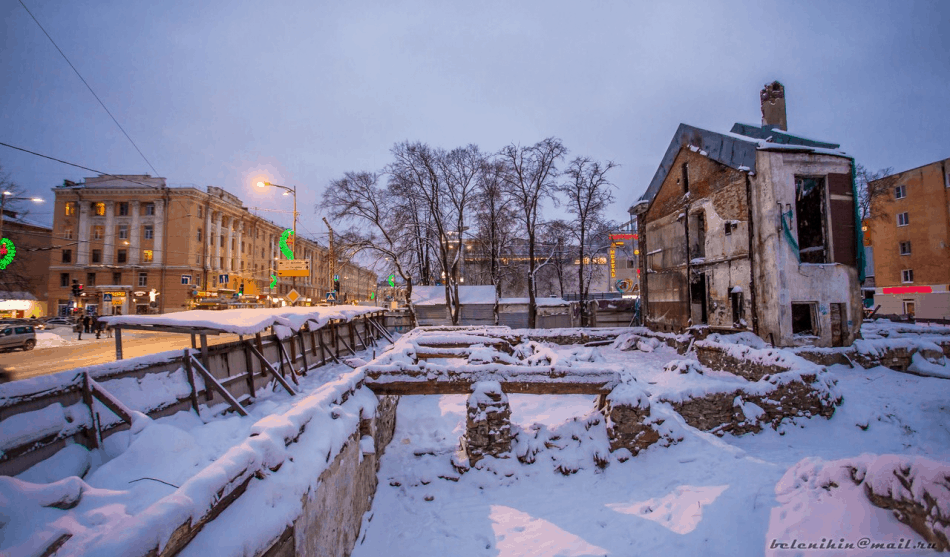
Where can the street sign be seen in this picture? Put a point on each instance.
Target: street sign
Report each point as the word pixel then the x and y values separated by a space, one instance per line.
pixel 293 268
pixel 293 296
pixel 107 297
pixel 331 296
pixel 336 277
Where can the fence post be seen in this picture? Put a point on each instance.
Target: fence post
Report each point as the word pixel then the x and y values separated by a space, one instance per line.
pixel 191 380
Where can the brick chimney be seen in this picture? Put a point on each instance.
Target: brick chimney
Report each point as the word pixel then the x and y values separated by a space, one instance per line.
pixel 773 106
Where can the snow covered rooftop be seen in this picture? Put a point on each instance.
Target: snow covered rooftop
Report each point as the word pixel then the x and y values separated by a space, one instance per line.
pixel 435 295
pixel 245 321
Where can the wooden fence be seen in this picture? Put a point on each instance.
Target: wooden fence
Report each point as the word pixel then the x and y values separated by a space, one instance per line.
pixel 229 373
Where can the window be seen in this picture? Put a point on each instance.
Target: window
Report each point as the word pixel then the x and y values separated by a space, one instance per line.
pixel 685 177
pixel 64 279
pixel 697 235
pixel 199 234
pixel 68 234
pixel 149 209
pixel 123 209
pixel 99 209
pixel 98 232
pixel 803 319
pixel 903 219
pixel 147 256
pixel 199 211
pixel 198 259
pixel 143 279
pixel 221 240
pixel 186 279
pixel 907 275
pixel 900 192
pixel 97 256
pixel 70 208
pixel 67 256
pixel 121 256
pixel 730 226
pixel 116 278
pixel 123 232
pixel 90 279
pixel 810 213
pixel 149 232
pixel 905 248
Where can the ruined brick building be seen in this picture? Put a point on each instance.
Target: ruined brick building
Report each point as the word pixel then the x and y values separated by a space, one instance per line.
pixel 753 230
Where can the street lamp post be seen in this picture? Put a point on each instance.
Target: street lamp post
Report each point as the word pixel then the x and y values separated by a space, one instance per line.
pixel 294 192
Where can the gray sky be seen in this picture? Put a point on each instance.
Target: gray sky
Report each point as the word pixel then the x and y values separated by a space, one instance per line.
pixel 218 92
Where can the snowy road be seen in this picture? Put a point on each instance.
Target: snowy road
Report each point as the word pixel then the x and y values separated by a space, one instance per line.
pixel 59 350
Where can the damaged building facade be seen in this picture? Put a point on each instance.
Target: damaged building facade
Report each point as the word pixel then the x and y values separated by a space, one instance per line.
pixel 753 230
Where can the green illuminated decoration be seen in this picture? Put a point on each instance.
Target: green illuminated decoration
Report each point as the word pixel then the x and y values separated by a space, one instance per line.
pixel 288 253
pixel 273 282
pixel 372 295
pixel 392 280
pixel 7 252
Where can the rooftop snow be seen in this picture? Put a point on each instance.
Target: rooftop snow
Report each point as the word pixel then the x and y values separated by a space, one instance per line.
pixel 435 295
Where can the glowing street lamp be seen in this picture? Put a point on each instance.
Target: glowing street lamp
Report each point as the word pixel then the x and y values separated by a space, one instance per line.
pixel 8 196
pixel 287 191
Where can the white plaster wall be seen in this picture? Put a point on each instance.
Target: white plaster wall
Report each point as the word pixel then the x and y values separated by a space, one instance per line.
pixel 780 279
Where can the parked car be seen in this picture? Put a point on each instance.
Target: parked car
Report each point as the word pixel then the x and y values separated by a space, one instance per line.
pixel 59 322
pixel 12 336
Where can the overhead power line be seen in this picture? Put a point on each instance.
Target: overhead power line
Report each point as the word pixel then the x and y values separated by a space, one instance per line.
pixel 88 87
pixel 101 173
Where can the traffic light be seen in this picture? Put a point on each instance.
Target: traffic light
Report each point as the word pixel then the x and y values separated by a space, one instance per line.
pixel 241 289
pixel 336 285
pixel 76 287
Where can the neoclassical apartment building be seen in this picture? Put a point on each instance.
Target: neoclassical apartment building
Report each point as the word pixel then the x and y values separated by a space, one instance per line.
pixel 139 246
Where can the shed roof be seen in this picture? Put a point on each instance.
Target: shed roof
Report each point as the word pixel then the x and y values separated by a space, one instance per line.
pixel 435 295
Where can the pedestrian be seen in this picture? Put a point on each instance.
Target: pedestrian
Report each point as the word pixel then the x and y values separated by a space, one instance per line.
pixel 78 328
pixel 87 324
pixel 96 326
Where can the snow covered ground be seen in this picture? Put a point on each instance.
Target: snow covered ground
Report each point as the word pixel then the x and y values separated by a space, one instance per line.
pixel 703 496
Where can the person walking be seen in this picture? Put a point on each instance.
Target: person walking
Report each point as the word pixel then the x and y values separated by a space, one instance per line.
pixel 87 324
pixel 78 328
pixel 96 326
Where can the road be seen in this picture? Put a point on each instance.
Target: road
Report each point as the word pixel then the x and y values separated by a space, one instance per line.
pixel 89 351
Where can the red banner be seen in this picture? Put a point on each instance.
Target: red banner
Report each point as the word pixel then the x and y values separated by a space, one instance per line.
pixel 908 290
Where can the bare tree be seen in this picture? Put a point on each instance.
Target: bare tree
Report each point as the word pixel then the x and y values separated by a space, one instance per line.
pixel 494 223
pixel 16 277
pixel 358 198
pixel 588 193
pixel 872 185
pixel 530 177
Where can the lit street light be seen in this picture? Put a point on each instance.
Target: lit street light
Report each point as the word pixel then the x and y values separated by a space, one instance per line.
pixel 287 192
pixel 7 195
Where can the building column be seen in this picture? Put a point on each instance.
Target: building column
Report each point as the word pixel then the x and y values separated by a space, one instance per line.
pixel 217 241
pixel 208 240
pixel 227 245
pixel 135 237
pixel 108 242
pixel 82 248
pixel 158 228
pixel 239 237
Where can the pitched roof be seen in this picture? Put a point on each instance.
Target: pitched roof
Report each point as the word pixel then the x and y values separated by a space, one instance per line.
pixel 735 149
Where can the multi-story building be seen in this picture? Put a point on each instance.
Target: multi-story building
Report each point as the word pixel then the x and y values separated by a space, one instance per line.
pixel 23 280
pixel 754 230
pixel 909 232
pixel 139 246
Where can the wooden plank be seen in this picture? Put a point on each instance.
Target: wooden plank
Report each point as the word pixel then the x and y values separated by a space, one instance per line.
pixel 350 328
pixel 343 340
pixel 382 331
pixel 210 380
pixel 273 371
pixel 194 341
pixel 191 380
pixel 462 386
pixel 249 367
pixel 88 401
pixel 172 329
pixel 313 342
pixel 283 354
pixel 118 343
pixel 109 401
pixel 303 353
pixel 205 360
pixel 360 337
pixel 325 349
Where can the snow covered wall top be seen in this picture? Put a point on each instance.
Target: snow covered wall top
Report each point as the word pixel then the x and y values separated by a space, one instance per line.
pixel 245 321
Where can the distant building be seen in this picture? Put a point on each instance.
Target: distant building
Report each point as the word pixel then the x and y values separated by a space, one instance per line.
pixel 138 246
pixel 753 230
pixel 909 232
pixel 23 283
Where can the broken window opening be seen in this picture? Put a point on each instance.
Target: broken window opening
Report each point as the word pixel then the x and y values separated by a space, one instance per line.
pixel 698 312
pixel 685 177
pixel 810 214
pixel 803 319
pixel 697 235
pixel 735 296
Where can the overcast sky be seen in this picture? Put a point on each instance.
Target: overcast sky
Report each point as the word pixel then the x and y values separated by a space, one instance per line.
pixel 218 92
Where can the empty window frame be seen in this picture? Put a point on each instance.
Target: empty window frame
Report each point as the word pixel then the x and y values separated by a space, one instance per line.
pixel 685 168
pixel 903 219
pixel 905 248
pixel 735 297
pixel 697 235
pixel 143 279
pixel 810 215
pixel 64 279
pixel 149 232
pixel 804 319
pixel 124 209
pixel 907 275
pixel 900 192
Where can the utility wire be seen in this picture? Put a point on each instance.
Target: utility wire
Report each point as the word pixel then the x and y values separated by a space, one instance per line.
pixel 88 87
pixel 101 173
